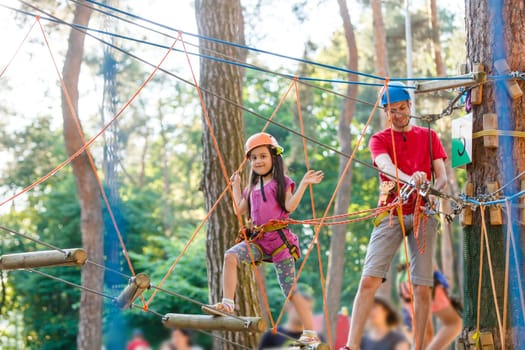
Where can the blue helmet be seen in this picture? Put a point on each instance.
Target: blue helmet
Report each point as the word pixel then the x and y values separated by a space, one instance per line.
pixel 397 92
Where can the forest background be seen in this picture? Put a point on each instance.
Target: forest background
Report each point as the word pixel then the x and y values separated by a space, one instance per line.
pixel 157 149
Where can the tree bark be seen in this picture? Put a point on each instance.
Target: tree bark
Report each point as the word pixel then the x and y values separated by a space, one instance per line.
pixel 491 32
pixel 336 259
pixel 223 19
pixel 90 319
pixel 441 69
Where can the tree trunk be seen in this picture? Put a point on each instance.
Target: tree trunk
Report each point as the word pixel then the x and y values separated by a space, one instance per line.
pixel 336 259
pixel 90 320
pixel 380 48
pixel 492 28
pixel 441 69
pixel 223 19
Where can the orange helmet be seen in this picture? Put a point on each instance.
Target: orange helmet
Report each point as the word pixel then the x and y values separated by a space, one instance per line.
pixel 262 139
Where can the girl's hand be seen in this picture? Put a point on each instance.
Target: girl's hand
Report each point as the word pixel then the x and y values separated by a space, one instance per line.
pixel 235 179
pixel 313 177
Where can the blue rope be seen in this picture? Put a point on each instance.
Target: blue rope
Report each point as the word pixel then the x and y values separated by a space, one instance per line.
pixel 245 47
pixel 213 58
pixel 496 201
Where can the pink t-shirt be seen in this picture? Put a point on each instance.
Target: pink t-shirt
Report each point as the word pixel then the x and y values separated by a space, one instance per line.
pixel 412 150
pixel 262 212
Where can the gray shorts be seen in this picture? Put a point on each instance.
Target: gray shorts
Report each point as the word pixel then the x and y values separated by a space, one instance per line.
pixel 385 242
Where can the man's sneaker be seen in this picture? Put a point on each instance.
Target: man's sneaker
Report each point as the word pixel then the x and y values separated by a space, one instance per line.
pixel 219 309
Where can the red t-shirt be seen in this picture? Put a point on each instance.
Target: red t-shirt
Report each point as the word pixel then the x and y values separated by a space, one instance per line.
pixel 138 344
pixel 412 151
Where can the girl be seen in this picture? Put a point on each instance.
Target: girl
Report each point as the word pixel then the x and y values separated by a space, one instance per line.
pixel 270 195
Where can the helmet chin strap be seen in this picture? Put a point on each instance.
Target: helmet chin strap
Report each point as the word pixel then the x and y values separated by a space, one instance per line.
pixel 262 183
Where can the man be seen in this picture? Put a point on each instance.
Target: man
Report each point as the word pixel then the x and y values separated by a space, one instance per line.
pixel 420 155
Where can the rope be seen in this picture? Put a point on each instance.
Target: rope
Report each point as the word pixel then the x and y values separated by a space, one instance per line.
pixel 339 182
pixel 245 47
pixel 18 48
pixel 491 274
pixel 248 110
pixel 496 132
pixel 312 200
pixel 257 275
pixel 93 139
pixel 506 281
pixel 516 262
pixel 481 252
pixel 107 296
pixel 401 220
pixel 76 119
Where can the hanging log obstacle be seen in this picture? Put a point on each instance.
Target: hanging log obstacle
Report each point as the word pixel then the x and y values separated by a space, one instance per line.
pixel 137 285
pixel 467 80
pixel 43 258
pixel 215 323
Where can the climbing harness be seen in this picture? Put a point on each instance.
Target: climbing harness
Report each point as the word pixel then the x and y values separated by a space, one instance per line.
pixel 257 232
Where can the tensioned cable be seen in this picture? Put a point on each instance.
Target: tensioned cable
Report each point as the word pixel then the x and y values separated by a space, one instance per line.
pixel 301 60
pixel 112 298
pixel 230 60
pixel 246 109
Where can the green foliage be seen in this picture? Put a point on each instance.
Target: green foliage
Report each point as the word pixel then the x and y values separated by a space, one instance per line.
pixel 159 183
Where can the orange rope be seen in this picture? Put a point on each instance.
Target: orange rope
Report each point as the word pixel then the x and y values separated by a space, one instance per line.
pixel 401 217
pixel 481 252
pixel 90 157
pixel 37 18
pixel 491 274
pixel 312 199
pixel 227 189
pixel 317 231
pixel 94 138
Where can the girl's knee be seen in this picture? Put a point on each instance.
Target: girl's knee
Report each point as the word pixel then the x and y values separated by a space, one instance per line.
pixel 230 258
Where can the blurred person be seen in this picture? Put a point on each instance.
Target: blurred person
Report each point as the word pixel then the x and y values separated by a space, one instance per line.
pixel 180 340
pixel 383 329
pixel 137 341
pixel 444 308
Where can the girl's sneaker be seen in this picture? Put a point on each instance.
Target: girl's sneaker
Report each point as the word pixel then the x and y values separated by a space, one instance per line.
pixel 219 309
pixel 309 339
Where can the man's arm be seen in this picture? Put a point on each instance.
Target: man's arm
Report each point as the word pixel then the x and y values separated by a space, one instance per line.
pixel 440 174
pixel 385 164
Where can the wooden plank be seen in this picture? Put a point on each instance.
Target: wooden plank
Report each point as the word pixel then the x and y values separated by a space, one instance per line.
pixel 490 122
pixel 466 214
pixel 43 258
pixel 514 90
pixel 496 215
pixel 477 92
pixel 137 285
pixel 436 85
pixel 215 323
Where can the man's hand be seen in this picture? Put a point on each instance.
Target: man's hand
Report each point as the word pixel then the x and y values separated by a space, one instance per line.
pixel 419 177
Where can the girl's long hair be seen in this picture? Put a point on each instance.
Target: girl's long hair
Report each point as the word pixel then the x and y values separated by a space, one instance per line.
pixel 278 174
